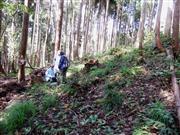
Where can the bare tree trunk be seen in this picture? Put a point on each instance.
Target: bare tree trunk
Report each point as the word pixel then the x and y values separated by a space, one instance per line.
pixel 46 35
pixel 102 19
pixel 71 32
pixel 74 36
pixel 167 28
pixel 35 36
pixel 157 28
pixel 38 52
pixel 140 35
pixel 87 20
pixel 112 34
pixel 78 44
pixel 175 27
pixel 1 68
pixel 118 24
pixel 59 26
pixel 98 29
pixel 105 25
pixel 175 86
pixel 66 28
pixel 23 45
pixel 152 16
pixel 5 54
pixel 0 20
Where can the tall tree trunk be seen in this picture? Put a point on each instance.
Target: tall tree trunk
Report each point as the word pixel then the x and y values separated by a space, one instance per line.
pixel 46 35
pixel 112 34
pixel 98 32
pixel 38 33
pixel 157 28
pixel 38 52
pixel 66 28
pixel 59 26
pixel 175 27
pixel 152 15
pixel 1 68
pixel 5 53
pixel 23 45
pixel 105 25
pixel 71 32
pixel 118 24
pixel 35 36
pixel 167 28
pixel 78 42
pixel 140 35
pixel 0 20
pixel 87 20
pixel 74 35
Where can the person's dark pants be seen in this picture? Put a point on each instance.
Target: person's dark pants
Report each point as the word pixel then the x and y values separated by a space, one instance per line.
pixel 53 79
pixel 63 75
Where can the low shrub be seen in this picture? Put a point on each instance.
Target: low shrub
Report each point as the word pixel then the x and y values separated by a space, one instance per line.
pixel 155 119
pixel 68 89
pixel 112 99
pixel 49 101
pixel 16 116
pixel 99 72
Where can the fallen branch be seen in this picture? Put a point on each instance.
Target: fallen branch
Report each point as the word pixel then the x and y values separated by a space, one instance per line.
pixel 9 86
pixel 176 94
pixel 131 112
pixel 175 86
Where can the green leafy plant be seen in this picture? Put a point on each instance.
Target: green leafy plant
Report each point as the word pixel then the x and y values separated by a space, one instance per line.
pixel 49 101
pixel 155 118
pixel 16 115
pixel 39 88
pixel 111 64
pixel 158 112
pixel 99 72
pixel 116 52
pixel 133 71
pixel 112 99
pixel 68 89
pixel 90 119
pixel 166 40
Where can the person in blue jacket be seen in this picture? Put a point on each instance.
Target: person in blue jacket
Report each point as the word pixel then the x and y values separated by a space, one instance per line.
pixel 63 66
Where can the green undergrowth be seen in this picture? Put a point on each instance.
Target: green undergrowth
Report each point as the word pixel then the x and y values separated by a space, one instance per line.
pixel 155 119
pixel 49 101
pixel 119 68
pixel 115 60
pixel 112 99
pixel 68 89
pixel 15 116
pixel 74 68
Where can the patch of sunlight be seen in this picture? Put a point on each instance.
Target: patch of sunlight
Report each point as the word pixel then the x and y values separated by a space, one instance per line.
pixel 75 68
pixel 143 70
pixel 127 49
pixel 28 71
pixel 167 95
pixel 106 58
pixel 136 70
pixel 115 77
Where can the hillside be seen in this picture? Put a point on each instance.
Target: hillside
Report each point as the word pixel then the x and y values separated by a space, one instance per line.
pixel 122 95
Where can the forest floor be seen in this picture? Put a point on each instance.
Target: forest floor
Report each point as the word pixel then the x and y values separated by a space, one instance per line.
pixel 125 95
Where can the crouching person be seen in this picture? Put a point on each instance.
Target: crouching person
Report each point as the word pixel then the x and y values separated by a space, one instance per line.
pixel 50 74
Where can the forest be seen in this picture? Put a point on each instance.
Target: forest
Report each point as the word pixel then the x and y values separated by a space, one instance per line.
pixel 121 57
